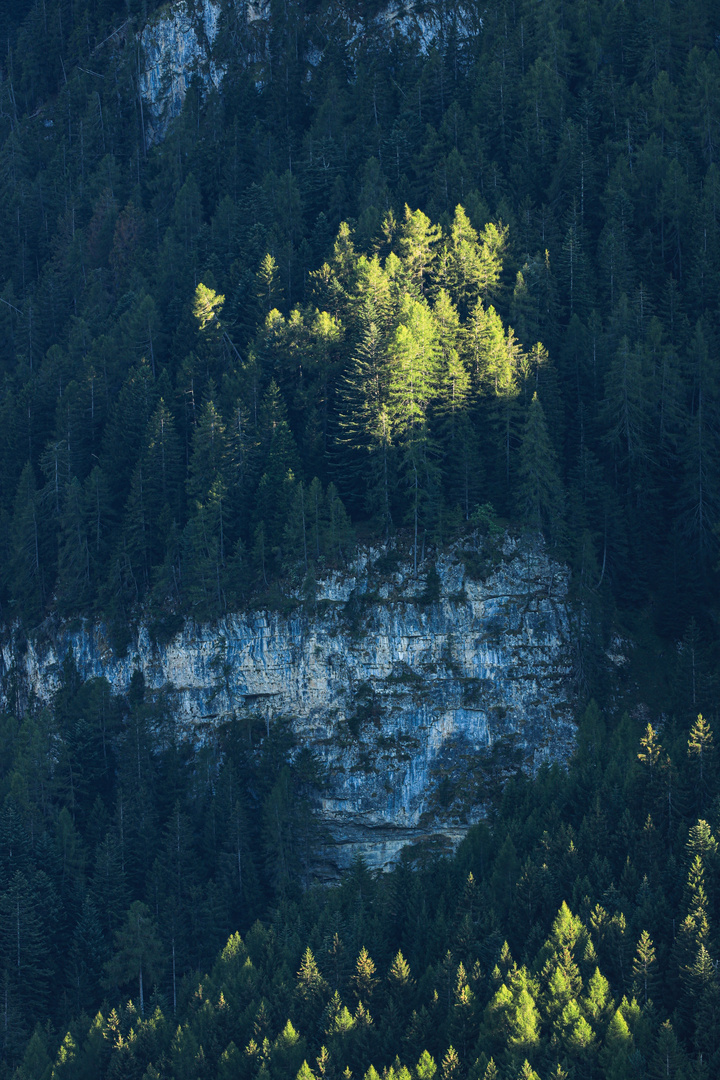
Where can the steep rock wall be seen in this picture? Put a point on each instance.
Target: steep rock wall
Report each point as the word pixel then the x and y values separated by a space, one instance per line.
pixel 186 38
pixel 175 46
pixel 401 685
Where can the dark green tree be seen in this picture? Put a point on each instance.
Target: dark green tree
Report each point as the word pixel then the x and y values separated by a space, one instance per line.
pixel 138 952
pixel 539 489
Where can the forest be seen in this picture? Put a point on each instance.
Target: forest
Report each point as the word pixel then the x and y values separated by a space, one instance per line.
pixel 485 277
pixel 155 919
pixel 388 297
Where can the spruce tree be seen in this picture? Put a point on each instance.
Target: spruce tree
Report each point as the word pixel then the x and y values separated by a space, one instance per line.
pixel 643 968
pixel 25 572
pixel 73 580
pixel 539 489
pixel 700 752
pixel 310 992
pixel 278 471
pixel 364 980
pixel 138 953
pixel 413 385
pixel 365 425
pixel 418 241
pixel 466 268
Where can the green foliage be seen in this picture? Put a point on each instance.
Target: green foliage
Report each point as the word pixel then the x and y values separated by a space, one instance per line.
pixel 138 950
pixel 539 491
pixel 292 320
pixel 167 860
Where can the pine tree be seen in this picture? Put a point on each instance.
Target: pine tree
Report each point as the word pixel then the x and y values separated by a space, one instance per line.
pixel 643 968
pixel 493 240
pixel 288 1051
pixel 690 949
pixel 124 433
pixel 426 1067
pixel 207 308
pixel 25 573
pixel 598 1000
pixel 310 991
pixel 73 581
pixel 539 489
pixel 338 535
pixel 366 426
pixel 138 951
pixel 25 958
pixel 418 240
pixel 285 859
pixel 658 773
pixel 297 536
pixel 36 1061
pixel 136 533
pixel 707 1017
pixel 87 956
pixel 413 384
pixel 398 1001
pixel 399 976
pixel 698 501
pixel 269 290
pixel 66 1059
pixel 700 752
pixel 209 455
pixel 163 471
pixel 466 271
pixel 462 1023
pixel 461 465
pixel 667 1058
pixel 99 522
pixel 364 980
pixel 206 552
pixel 575 265
pixel 496 359
pixel 650 753
pixel 625 417
pixel 278 470
pixel 450 1066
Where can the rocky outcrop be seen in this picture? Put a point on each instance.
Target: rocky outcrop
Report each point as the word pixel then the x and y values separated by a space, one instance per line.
pixel 405 687
pixel 187 38
pixel 176 45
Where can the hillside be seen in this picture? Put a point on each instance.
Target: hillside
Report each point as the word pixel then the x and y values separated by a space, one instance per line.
pixel 359 435
pixel 514 215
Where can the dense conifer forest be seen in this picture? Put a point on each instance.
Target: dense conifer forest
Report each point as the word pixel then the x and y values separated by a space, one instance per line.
pixel 391 296
pixel 409 288
pixel 154 920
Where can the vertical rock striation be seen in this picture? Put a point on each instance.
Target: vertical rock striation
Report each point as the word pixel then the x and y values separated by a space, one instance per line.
pixel 181 42
pixel 176 45
pixel 404 688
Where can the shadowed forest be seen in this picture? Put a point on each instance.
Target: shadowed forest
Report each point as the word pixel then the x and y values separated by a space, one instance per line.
pixel 393 295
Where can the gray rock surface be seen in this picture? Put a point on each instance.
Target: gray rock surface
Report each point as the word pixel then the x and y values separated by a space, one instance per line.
pixel 174 46
pixel 182 40
pixel 402 686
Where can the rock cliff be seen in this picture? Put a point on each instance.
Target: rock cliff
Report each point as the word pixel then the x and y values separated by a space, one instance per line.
pixel 405 687
pixel 189 38
pixel 175 46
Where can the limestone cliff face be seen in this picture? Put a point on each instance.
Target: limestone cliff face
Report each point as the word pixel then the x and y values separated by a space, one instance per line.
pixel 402 686
pixel 175 46
pixel 185 39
